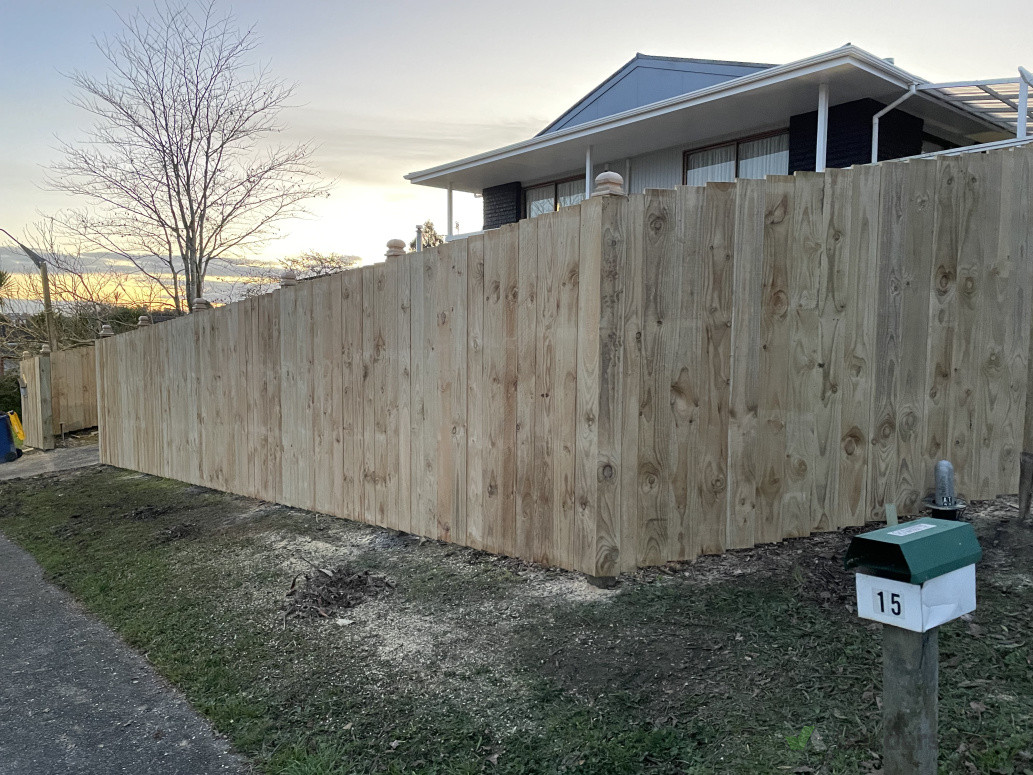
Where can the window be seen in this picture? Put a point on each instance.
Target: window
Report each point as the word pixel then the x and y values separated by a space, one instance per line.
pixel 752 158
pixel 552 196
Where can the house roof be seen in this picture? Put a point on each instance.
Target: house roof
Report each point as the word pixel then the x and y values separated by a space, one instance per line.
pixel 761 100
pixel 646 79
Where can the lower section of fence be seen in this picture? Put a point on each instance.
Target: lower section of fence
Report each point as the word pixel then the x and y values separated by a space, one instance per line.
pixel 625 382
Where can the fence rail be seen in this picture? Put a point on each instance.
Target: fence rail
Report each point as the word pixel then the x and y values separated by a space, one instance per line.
pixel 625 382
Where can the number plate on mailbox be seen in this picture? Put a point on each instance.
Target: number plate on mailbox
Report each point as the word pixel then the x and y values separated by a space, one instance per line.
pixel 917 607
pixel 890 602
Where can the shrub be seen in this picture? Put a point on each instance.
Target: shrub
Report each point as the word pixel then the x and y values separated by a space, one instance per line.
pixel 10 395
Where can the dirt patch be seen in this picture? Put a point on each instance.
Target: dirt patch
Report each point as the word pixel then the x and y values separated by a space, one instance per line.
pixel 177 532
pixel 325 591
pixel 146 513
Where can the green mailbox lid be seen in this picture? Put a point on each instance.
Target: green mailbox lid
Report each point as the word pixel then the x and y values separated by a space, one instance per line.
pixel 915 551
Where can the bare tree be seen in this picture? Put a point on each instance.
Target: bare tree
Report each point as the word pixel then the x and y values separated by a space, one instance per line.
pixel 309 264
pixel 178 168
pixel 87 293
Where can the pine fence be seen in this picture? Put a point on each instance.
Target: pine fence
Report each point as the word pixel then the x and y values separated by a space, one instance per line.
pixel 625 382
pixel 60 394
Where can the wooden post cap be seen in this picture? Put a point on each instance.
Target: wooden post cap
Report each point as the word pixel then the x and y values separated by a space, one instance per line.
pixel 26 354
pixel 201 303
pixel 106 331
pixel 45 349
pixel 288 278
pixel 608 183
pixel 395 247
pixel 143 320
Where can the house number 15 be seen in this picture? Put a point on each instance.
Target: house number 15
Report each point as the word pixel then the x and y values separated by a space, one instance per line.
pixel 892 598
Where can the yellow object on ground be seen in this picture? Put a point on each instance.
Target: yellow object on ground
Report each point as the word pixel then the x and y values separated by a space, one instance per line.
pixel 16 425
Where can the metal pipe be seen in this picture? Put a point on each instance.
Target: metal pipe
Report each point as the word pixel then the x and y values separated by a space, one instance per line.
pixel 822 142
pixel 875 119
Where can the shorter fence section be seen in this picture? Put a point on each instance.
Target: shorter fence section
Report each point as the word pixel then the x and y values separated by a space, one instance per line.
pixel 60 394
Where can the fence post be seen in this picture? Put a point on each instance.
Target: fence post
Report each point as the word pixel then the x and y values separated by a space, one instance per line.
pixel 46 399
pixel 598 469
pixel 201 304
pixel 143 320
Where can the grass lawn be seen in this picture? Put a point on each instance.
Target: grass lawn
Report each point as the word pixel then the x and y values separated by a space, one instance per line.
pixel 473 663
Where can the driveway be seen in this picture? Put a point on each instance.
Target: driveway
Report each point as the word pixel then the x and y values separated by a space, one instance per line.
pixel 36 463
pixel 74 699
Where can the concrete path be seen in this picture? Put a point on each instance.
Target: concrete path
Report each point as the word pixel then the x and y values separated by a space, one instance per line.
pixel 37 463
pixel 75 700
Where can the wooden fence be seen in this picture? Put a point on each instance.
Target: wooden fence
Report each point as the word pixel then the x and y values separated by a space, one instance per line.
pixel 629 381
pixel 60 388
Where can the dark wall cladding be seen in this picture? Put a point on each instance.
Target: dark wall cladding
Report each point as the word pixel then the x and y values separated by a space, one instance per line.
pixel 501 205
pixel 850 135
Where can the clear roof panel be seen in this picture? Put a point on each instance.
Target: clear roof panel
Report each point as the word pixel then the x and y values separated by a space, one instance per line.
pixel 996 101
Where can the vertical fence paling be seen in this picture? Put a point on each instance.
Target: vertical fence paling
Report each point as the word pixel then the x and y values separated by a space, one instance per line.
pixel 631 381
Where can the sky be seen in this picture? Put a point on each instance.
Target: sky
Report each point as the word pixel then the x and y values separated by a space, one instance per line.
pixel 390 87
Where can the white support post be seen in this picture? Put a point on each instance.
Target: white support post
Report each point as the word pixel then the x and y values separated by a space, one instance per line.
pixel 1023 116
pixel 450 219
pixel 588 172
pixel 821 146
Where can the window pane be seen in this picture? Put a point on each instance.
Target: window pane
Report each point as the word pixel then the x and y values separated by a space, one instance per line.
pixel 715 164
pixel 767 156
pixel 540 200
pixel 571 192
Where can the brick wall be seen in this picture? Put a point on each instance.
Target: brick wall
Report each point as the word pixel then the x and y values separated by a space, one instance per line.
pixel 501 205
pixel 850 135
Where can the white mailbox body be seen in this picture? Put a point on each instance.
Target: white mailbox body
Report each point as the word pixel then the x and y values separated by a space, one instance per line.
pixel 917 607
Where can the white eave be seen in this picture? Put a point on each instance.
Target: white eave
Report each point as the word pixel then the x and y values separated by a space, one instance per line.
pixel 756 101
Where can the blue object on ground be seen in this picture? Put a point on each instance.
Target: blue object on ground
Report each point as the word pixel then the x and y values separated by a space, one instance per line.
pixel 8 449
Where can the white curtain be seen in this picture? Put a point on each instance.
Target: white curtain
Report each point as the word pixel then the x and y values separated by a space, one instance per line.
pixel 711 165
pixel 571 192
pixel 767 156
pixel 540 200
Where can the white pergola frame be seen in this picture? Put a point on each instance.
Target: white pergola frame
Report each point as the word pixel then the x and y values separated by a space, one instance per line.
pixel 965 92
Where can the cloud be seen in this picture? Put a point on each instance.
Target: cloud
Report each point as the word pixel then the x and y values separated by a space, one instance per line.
pixel 379 150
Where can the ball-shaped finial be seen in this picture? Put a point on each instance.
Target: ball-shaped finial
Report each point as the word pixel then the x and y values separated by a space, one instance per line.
pixel 45 349
pixel 106 331
pixel 395 247
pixel 607 183
pixel 143 320
pixel 288 278
pixel 201 303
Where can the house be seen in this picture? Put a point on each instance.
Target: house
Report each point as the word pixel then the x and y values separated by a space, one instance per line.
pixel 665 121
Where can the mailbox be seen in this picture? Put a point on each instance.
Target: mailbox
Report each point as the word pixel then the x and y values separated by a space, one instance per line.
pixel 917 575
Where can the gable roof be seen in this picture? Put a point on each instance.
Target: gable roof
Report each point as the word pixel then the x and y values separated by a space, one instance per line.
pixel 645 79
